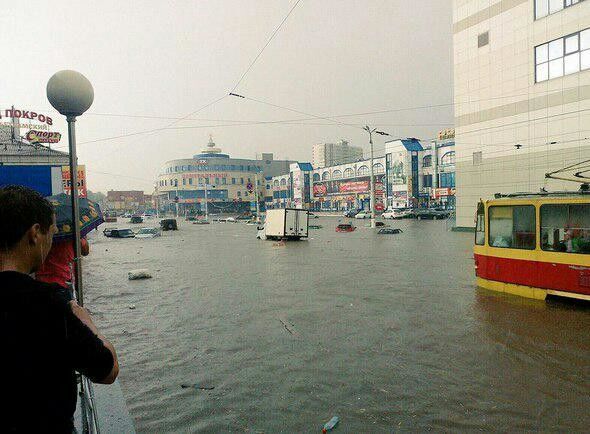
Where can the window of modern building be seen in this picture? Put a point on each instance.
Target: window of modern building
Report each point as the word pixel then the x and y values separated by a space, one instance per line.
pixel 562 56
pixel 512 227
pixel 448 159
pixel 224 181
pixel 348 173
pixel 363 171
pixel 565 228
pixel 427 180
pixel 483 39
pixel 477 157
pixel 378 169
pixel 242 181
pixel 316 177
pixel 548 7
pixel 336 174
pixel 447 180
pixel 325 176
pixel 190 181
pixel 233 180
pixel 427 161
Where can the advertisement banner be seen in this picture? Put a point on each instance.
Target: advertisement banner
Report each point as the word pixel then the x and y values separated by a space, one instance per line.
pixel 35 136
pixel 67 183
pixel 346 187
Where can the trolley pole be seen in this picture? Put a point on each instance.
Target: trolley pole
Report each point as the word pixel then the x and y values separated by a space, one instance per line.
pixel 371 170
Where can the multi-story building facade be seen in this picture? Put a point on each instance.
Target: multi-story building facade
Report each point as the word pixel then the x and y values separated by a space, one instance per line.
pixel 127 200
pixel 347 186
pixel 293 189
pixel 522 95
pixel 332 154
pixel 228 183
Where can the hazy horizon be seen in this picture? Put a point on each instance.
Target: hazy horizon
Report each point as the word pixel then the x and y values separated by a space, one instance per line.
pixel 153 65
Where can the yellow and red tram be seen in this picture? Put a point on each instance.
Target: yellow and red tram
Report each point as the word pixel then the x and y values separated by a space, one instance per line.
pixel 534 245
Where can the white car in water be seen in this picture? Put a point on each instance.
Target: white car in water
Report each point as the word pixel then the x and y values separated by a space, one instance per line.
pixel 397 213
pixel 148 233
pixel 363 215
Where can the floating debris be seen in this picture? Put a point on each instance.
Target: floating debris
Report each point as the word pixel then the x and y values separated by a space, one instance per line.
pixel 132 307
pixel 331 424
pixel 142 273
pixel 197 386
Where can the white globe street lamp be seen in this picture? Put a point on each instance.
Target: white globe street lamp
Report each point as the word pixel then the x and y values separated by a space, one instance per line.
pixel 71 94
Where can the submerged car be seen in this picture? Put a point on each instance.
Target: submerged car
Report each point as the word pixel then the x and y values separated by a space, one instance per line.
pixel 432 214
pixel 397 213
pixel 148 233
pixel 363 215
pixel 118 233
pixel 351 213
pixel 389 231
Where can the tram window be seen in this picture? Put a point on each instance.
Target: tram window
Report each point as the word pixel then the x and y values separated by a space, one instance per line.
pixel 480 229
pixel 512 227
pixel 565 228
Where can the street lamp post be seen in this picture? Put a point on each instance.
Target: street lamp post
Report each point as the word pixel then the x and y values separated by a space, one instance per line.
pixel 372 181
pixel 71 94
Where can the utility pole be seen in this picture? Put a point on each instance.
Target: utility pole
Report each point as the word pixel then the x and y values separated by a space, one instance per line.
pixel 257 201
pixel 206 203
pixel 372 181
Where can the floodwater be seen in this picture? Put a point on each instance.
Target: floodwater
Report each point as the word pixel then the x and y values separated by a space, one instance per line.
pixel 386 331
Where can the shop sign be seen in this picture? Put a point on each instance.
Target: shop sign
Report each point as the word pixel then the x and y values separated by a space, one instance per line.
pixel 26 114
pixel 442 192
pixel 67 182
pixel 35 136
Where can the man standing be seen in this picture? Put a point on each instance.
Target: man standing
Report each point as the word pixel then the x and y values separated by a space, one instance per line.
pixel 44 337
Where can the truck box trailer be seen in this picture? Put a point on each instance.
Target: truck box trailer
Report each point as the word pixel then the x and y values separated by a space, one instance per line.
pixel 289 223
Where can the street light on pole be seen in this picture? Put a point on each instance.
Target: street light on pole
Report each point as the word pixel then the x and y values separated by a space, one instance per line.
pixel 372 182
pixel 71 94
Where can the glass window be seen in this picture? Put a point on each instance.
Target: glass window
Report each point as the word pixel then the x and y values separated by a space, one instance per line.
pixel 190 181
pixel 316 176
pixel 337 174
pixel 348 173
pixel 363 171
pixel 556 49
pixel 556 68
pixel 571 44
pixel 555 6
pixel 224 181
pixel 541 8
pixel 565 228
pixel 233 180
pixel 448 159
pixel 542 53
pixel 585 59
pixel 585 39
pixel 480 227
pixel 378 169
pixel 242 181
pixel 542 72
pixel 571 63
pixel 326 175
pixel 427 161
pixel 512 227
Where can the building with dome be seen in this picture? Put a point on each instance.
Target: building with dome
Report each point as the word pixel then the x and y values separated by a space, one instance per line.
pixel 229 183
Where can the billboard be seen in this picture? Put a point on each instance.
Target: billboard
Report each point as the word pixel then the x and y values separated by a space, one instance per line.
pixel 47 180
pixel 361 185
pixel 67 182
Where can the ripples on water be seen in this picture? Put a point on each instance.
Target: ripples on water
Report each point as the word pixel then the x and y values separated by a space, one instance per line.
pixel 389 333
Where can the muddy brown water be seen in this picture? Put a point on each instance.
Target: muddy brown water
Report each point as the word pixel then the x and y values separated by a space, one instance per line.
pixel 386 331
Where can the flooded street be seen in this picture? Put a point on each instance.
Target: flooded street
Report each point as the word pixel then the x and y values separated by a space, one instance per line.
pixel 386 331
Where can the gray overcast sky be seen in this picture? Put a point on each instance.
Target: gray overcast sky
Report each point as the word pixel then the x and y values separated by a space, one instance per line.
pixel 167 59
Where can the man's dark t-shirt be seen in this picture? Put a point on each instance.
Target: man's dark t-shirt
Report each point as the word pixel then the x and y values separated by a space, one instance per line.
pixel 43 342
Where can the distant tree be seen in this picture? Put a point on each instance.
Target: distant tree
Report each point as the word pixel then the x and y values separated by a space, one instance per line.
pixel 97 197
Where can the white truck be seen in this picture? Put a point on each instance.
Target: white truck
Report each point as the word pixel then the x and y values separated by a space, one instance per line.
pixel 288 223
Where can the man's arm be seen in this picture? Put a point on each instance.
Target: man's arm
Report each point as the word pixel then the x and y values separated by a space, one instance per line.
pixel 82 314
